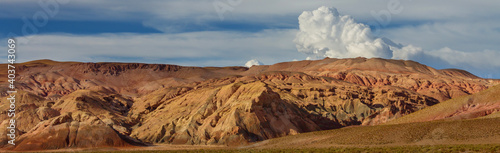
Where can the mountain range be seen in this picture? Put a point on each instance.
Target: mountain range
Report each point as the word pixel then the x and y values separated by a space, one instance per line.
pixel 87 105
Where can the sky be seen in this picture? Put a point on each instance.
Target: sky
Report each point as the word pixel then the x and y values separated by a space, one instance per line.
pixel 443 34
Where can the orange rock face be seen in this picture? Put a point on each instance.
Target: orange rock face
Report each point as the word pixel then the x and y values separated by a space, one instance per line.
pixel 78 105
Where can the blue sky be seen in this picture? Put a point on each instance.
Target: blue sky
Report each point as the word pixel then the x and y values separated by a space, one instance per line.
pixel 458 33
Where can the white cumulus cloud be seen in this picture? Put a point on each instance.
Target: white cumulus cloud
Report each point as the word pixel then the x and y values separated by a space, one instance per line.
pixel 326 33
pixel 253 62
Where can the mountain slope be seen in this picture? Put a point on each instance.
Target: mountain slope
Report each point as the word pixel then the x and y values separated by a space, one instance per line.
pixel 476 131
pixel 480 104
pixel 439 84
pixel 472 119
pixel 81 119
pixel 258 108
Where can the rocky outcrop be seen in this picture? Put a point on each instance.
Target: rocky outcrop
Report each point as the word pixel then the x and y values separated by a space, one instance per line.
pixel 70 130
pixel 439 84
pixel 267 106
pixel 55 79
pixel 234 114
pixel 481 104
pixel 81 119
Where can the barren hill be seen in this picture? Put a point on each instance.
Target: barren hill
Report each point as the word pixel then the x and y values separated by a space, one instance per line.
pixel 482 104
pixel 138 104
pixel 472 119
pixel 434 133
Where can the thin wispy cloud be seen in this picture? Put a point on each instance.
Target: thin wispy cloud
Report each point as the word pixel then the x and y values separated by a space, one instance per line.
pixel 207 48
